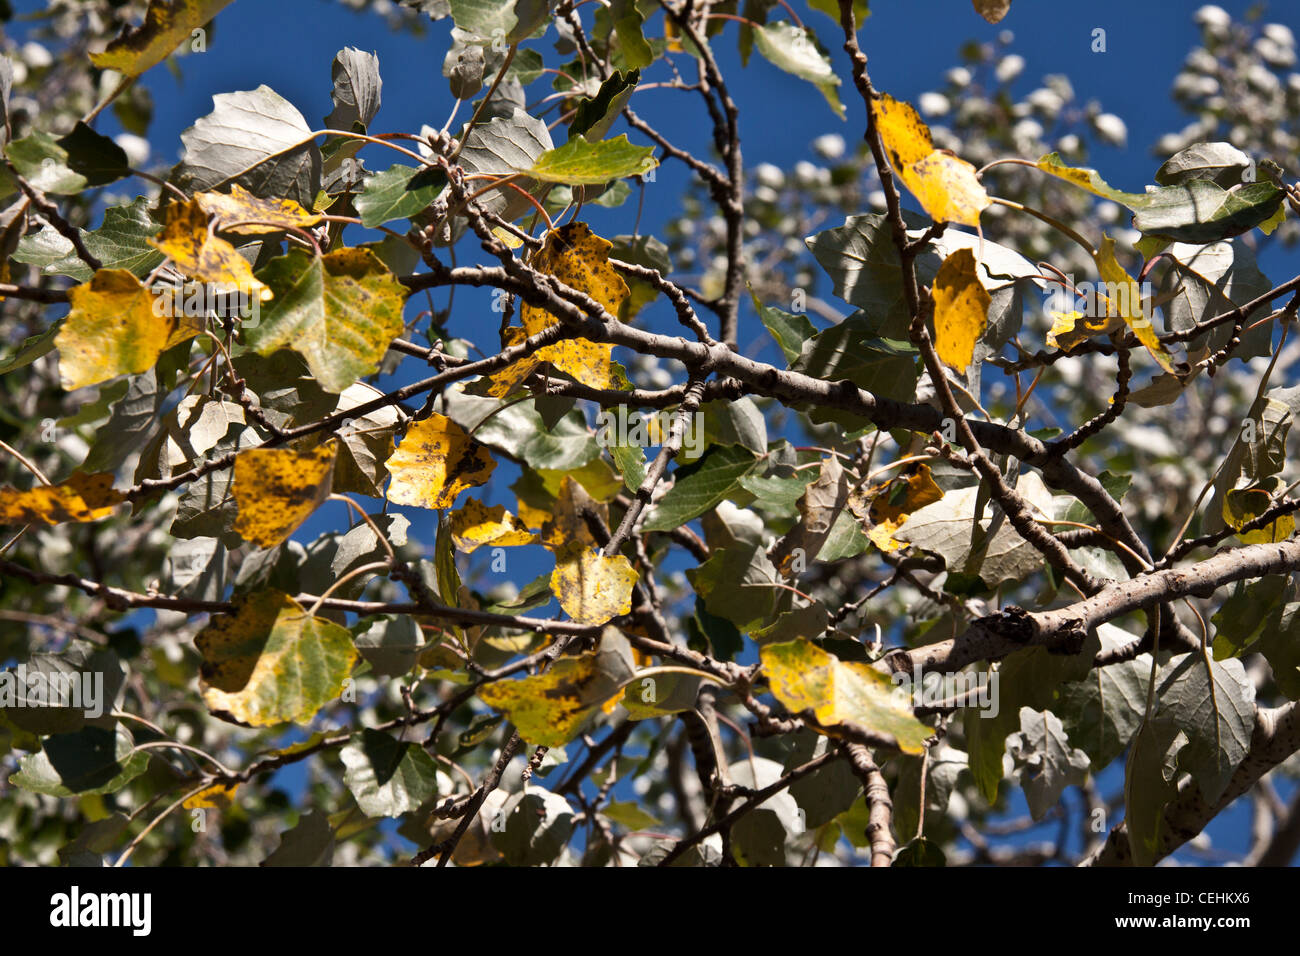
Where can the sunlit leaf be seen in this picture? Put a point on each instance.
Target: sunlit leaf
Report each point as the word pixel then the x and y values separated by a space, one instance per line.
pixel 582 163
pixel 339 311
pixel 186 240
pixel 804 677
pixel 475 525
pixel 114 328
pixel 592 588
pixel 270 661
pixel 961 308
pixel 944 184
pixel 550 708
pixel 81 497
pixel 242 213
pixel 580 259
pixel 277 489
pixel 167 24
pixel 436 461
pixel 893 503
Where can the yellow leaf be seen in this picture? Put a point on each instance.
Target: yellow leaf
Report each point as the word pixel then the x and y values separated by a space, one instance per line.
pixel 946 185
pixel 242 213
pixel 1126 297
pixel 436 461
pixel 895 501
pixel 961 309
pixel 1246 504
pixel 550 708
pixel 270 661
pixel 475 525
pixel 81 497
pixel 580 259
pixel 185 240
pixel 277 489
pixel 804 677
pixel 1073 327
pixel 508 379
pixel 530 516
pixel 216 797
pixel 566 525
pixel 167 24
pixel 592 588
pixel 114 328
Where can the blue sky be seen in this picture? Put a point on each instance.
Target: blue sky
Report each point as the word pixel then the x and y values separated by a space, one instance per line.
pixel 289 45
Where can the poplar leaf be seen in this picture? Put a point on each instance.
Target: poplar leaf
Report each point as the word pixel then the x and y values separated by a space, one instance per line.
pixel 112 329
pixel 582 163
pixel 436 461
pixel 895 501
pixel 270 661
pixel 81 497
pixel 167 24
pixel 243 214
pixel 550 708
pixel 592 588
pixel 186 240
pixel 1128 300
pixel 944 184
pixel 804 677
pixel 580 259
pixel 339 311
pixel 794 50
pixel 1241 505
pixel 277 489
pixel 961 308
pixel 475 525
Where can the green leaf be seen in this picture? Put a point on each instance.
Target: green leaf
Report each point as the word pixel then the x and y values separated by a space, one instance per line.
pixel 506 146
pixel 596 114
pixel 485 19
pixel 628 23
pixel 1102 712
pixel 701 486
pixel 582 163
pixel 121 242
pixel 388 777
pixel 1216 709
pixel 789 330
pixel 270 661
pixel 538 825
pixel 862 261
pixel 399 192
pixel 32 348
pixel 92 760
pixel 795 50
pixel 1046 763
pixel 1150 782
pixel 920 852
pixel 518 430
pixel 309 843
pixel 1221 163
pixel 256 138
pixel 1027 678
pixel 629 815
pixel 849 350
pixel 1202 211
pixel 339 311
pixel 1195 211
pixel 736 583
pixel 68 165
